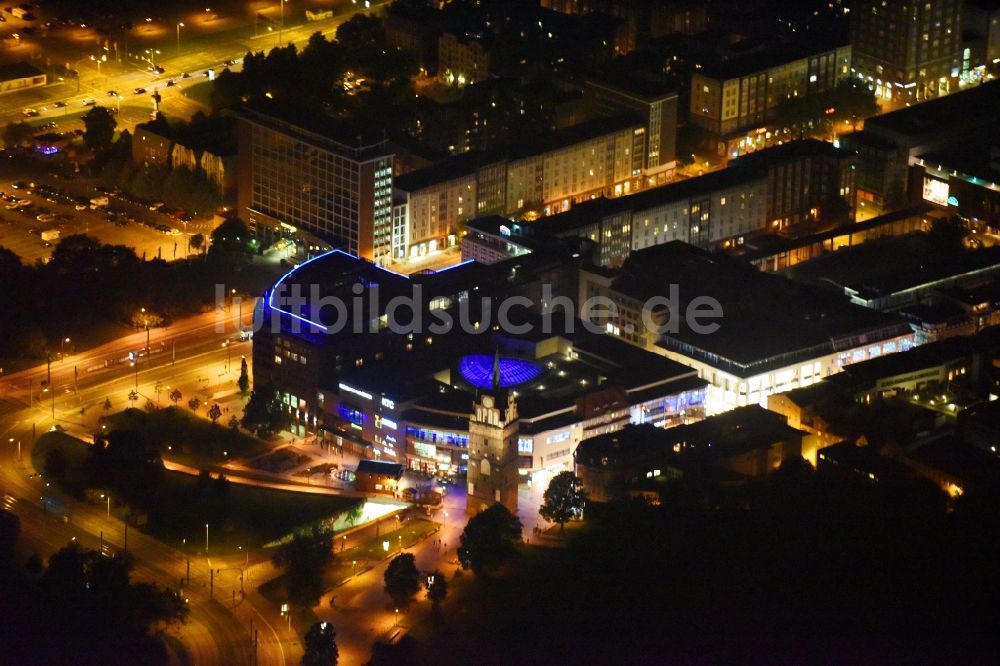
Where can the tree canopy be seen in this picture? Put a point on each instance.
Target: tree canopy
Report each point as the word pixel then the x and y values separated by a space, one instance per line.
pixel 99 129
pixel 320 645
pixel 489 540
pixel 402 580
pixel 563 499
pixel 91 612
pixel 264 413
pixel 304 558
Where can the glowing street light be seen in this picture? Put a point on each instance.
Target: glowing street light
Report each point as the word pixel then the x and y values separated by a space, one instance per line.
pixel 179 26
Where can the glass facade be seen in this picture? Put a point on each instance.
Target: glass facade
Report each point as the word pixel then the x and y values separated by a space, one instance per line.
pixel 337 193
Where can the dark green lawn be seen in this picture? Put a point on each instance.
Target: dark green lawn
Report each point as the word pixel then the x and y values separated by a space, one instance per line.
pixel 186 438
pixel 176 506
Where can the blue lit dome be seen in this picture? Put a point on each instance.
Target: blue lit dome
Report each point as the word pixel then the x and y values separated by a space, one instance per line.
pixel 477 369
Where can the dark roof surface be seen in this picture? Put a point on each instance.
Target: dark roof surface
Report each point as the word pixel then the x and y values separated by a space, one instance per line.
pixel 768 321
pixel 367 466
pixel 928 117
pixel 18 70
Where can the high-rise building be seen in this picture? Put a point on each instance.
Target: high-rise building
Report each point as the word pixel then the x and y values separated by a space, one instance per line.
pixel 296 175
pixel 908 49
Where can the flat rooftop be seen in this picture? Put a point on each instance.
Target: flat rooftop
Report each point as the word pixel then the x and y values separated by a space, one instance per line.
pixel 927 118
pixel 599 363
pixel 333 134
pixel 731 433
pixel 18 70
pixel 893 265
pixel 742 64
pixel 768 321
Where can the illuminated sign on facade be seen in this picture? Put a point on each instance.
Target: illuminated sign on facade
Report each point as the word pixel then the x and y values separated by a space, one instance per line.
pixel 388 404
pixel 425 450
pixel 359 392
pixel 936 191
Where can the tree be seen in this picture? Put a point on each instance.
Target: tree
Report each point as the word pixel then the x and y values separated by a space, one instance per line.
pixel 197 242
pixel 150 406
pixel 99 129
pixel 214 412
pixel 175 396
pixel 234 423
pixel 133 395
pixel 304 558
pixel 320 645
pixel 264 413
pixel 402 580
pixel 437 588
pixel 489 540
pixel 107 405
pixel 563 499
pixel 230 243
pixel 244 381
pixel 194 403
pixel 17 134
pixel 96 614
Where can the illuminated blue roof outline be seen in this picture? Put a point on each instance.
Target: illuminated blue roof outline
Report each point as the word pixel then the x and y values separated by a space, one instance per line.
pixel 325 329
pixel 477 369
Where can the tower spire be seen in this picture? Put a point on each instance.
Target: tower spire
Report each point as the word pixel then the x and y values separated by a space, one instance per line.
pixel 496 370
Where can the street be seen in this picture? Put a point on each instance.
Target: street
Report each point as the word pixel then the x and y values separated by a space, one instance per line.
pixel 207 40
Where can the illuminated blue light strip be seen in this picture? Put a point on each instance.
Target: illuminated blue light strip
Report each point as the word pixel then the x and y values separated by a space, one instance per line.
pixel 270 296
pixel 277 285
pixel 458 265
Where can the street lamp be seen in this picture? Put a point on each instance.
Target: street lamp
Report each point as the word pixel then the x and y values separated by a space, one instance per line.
pixel 179 26
pixel 18 448
pixel 281 26
pixel 102 59
pixel 206 538
pixel 62 346
pixel 108 495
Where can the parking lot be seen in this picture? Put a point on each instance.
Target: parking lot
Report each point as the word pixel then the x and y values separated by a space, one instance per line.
pixel 42 205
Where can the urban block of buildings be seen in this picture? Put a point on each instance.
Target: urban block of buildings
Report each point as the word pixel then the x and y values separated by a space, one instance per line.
pixel 891 144
pixel 411 397
pixel 743 443
pixel 771 190
pixel 736 99
pixel 908 50
pixel 773 334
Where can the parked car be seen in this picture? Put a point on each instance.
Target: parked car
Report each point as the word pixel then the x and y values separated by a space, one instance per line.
pixel 30 113
pixel 89 102
pixel 139 91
